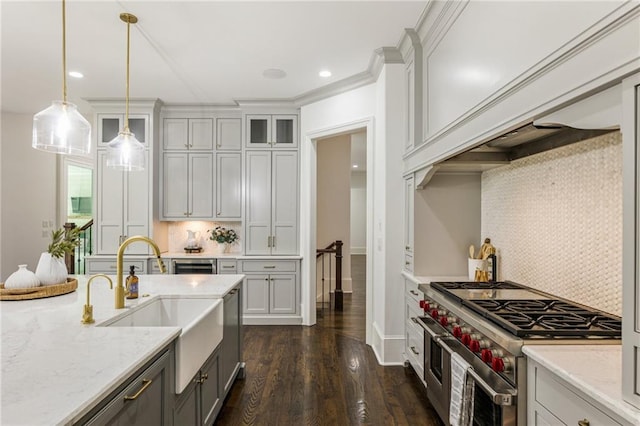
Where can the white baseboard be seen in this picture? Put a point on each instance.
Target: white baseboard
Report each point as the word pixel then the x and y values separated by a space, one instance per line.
pixel 389 350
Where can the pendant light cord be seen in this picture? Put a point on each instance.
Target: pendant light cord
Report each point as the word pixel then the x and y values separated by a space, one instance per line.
pixel 64 52
pixel 126 106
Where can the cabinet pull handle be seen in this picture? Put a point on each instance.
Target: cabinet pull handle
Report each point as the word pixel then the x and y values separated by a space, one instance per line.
pixel 187 145
pixel 218 213
pixel 413 349
pixel 186 214
pixel 415 293
pixel 269 267
pixel 147 383
pixel 583 422
pixel 228 267
pixel 407 247
pixel 269 241
pixel 273 241
pixel 407 263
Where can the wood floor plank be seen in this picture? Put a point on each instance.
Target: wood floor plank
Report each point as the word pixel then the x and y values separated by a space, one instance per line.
pixel 324 375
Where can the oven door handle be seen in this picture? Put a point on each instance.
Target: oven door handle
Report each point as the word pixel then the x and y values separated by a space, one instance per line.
pixel 499 398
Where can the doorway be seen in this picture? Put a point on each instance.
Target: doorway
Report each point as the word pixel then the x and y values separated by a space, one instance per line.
pixel 309 219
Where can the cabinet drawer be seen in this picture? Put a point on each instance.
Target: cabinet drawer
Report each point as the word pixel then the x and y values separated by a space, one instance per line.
pixel 154 268
pixel 565 403
pixel 265 266
pixel 414 347
pixel 227 266
pixel 107 266
pixel 412 292
pixel 412 311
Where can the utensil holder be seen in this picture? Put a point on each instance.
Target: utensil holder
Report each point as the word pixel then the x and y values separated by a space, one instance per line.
pixel 474 264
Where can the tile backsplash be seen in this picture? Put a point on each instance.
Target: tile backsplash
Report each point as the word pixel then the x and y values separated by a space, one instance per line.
pixel 178 236
pixel 556 221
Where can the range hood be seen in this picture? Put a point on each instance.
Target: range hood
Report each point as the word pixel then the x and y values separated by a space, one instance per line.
pixel 594 116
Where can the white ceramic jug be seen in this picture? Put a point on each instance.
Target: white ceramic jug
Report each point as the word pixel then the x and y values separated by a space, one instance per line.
pixel 192 239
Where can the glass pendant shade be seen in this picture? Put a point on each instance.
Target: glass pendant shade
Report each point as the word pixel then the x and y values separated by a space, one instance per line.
pixel 126 153
pixel 61 129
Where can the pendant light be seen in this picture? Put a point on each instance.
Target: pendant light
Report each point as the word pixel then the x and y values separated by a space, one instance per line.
pixel 61 128
pixel 125 152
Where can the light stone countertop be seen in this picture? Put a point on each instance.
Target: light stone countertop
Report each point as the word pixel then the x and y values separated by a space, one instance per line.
pixel 596 370
pixel 55 369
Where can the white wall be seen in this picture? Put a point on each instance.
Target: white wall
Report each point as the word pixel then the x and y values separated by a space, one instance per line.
pixel 358 212
pixel 343 113
pixel 29 195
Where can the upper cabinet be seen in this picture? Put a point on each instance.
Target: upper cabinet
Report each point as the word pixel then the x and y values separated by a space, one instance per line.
pixel 271 131
pixel 228 134
pixel 109 125
pixel 187 134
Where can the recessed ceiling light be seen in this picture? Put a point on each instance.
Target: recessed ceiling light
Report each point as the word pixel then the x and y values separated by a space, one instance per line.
pixel 75 74
pixel 324 73
pixel 355 166
pixel 274 73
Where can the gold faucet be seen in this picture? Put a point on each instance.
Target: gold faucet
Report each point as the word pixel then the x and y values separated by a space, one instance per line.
pixel 87 314
pixel 120 291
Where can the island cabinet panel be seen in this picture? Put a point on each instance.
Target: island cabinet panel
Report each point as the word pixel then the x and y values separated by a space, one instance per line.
pixel 146 400
pixel 201 401
pixel 231 348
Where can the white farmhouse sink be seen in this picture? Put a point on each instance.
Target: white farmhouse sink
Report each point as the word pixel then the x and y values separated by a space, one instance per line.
pixel 201 323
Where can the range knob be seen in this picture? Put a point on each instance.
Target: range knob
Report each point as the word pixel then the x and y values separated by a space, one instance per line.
pixel 474 345
pixel 459 330
pixel 424 305
pixel 486 355
pixel 499 364
pixel 465 339
pixel 437 313
pixel 448 320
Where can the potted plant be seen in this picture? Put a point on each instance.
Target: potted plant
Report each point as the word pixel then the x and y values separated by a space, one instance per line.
pixel 223 236
pixel 51 267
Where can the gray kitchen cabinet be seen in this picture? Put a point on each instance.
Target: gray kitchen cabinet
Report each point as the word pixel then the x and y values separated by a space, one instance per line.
pixel 271 131
pixel 201 401
pixel 231 346
pixel 227 266
pixel 271 291
pixel 187 186
pixel 187 134
pixel 409 194
pixel 144 400
pixel 228 134
pixel 229 185
pixel 123 200
pixel 271 204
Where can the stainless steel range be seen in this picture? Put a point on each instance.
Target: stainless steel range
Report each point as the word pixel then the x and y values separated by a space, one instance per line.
pixel 487 323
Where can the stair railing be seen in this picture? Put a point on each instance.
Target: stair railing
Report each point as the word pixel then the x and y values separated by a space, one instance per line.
pixel 76 261
pixel 334 248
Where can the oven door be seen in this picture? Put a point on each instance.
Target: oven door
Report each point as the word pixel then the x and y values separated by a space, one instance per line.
pixel 494 398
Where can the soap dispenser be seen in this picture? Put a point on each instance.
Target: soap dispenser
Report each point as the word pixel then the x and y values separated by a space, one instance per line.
pixel 132 283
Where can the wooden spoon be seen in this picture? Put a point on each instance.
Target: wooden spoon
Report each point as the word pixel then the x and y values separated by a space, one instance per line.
pixel 472 251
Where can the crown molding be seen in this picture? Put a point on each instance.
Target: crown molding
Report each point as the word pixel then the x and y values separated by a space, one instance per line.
pixel 350 83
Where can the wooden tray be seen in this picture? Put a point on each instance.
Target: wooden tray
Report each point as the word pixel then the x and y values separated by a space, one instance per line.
pixel 38 292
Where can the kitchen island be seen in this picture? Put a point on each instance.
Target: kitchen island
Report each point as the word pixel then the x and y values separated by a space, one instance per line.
pixel 55 369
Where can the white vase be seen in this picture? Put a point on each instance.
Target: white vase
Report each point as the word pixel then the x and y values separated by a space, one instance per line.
pixel 51 270
pixel 22 278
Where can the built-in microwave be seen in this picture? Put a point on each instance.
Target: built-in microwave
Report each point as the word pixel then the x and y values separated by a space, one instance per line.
pixel 194 266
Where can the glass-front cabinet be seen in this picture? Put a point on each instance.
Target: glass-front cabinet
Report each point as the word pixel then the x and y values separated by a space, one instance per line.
pixel 274 131
pixel 112 124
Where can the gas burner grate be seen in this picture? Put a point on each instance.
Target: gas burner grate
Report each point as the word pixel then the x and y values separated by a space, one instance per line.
pixel 473 285
pixel 547 318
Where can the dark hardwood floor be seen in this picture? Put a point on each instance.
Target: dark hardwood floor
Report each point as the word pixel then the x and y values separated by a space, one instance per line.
pixel 324 375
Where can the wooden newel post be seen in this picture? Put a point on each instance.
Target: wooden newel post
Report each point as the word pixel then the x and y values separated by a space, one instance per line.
pixel 69 258
pixel 338 291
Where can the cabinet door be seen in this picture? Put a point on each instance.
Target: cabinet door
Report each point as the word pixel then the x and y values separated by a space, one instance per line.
pixel 284 130
pixel 259 134
pixel 228 185
pixel 282 294
pixel 284 207
pixel 229 134
pixel 136 211
pixel 409 194
pixel 139 126
pixel 109 125
pixel 258 202
pixel 186 410
pixel 200 186
pixel 143 402
pixel 255 294
pixel 209 392
pixel 174 185
pixel 175 133
pixel 201 133
pixel 231 341
pixel 110 205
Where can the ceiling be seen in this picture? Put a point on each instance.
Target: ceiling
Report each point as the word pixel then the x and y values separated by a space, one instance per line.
pixel 201 52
